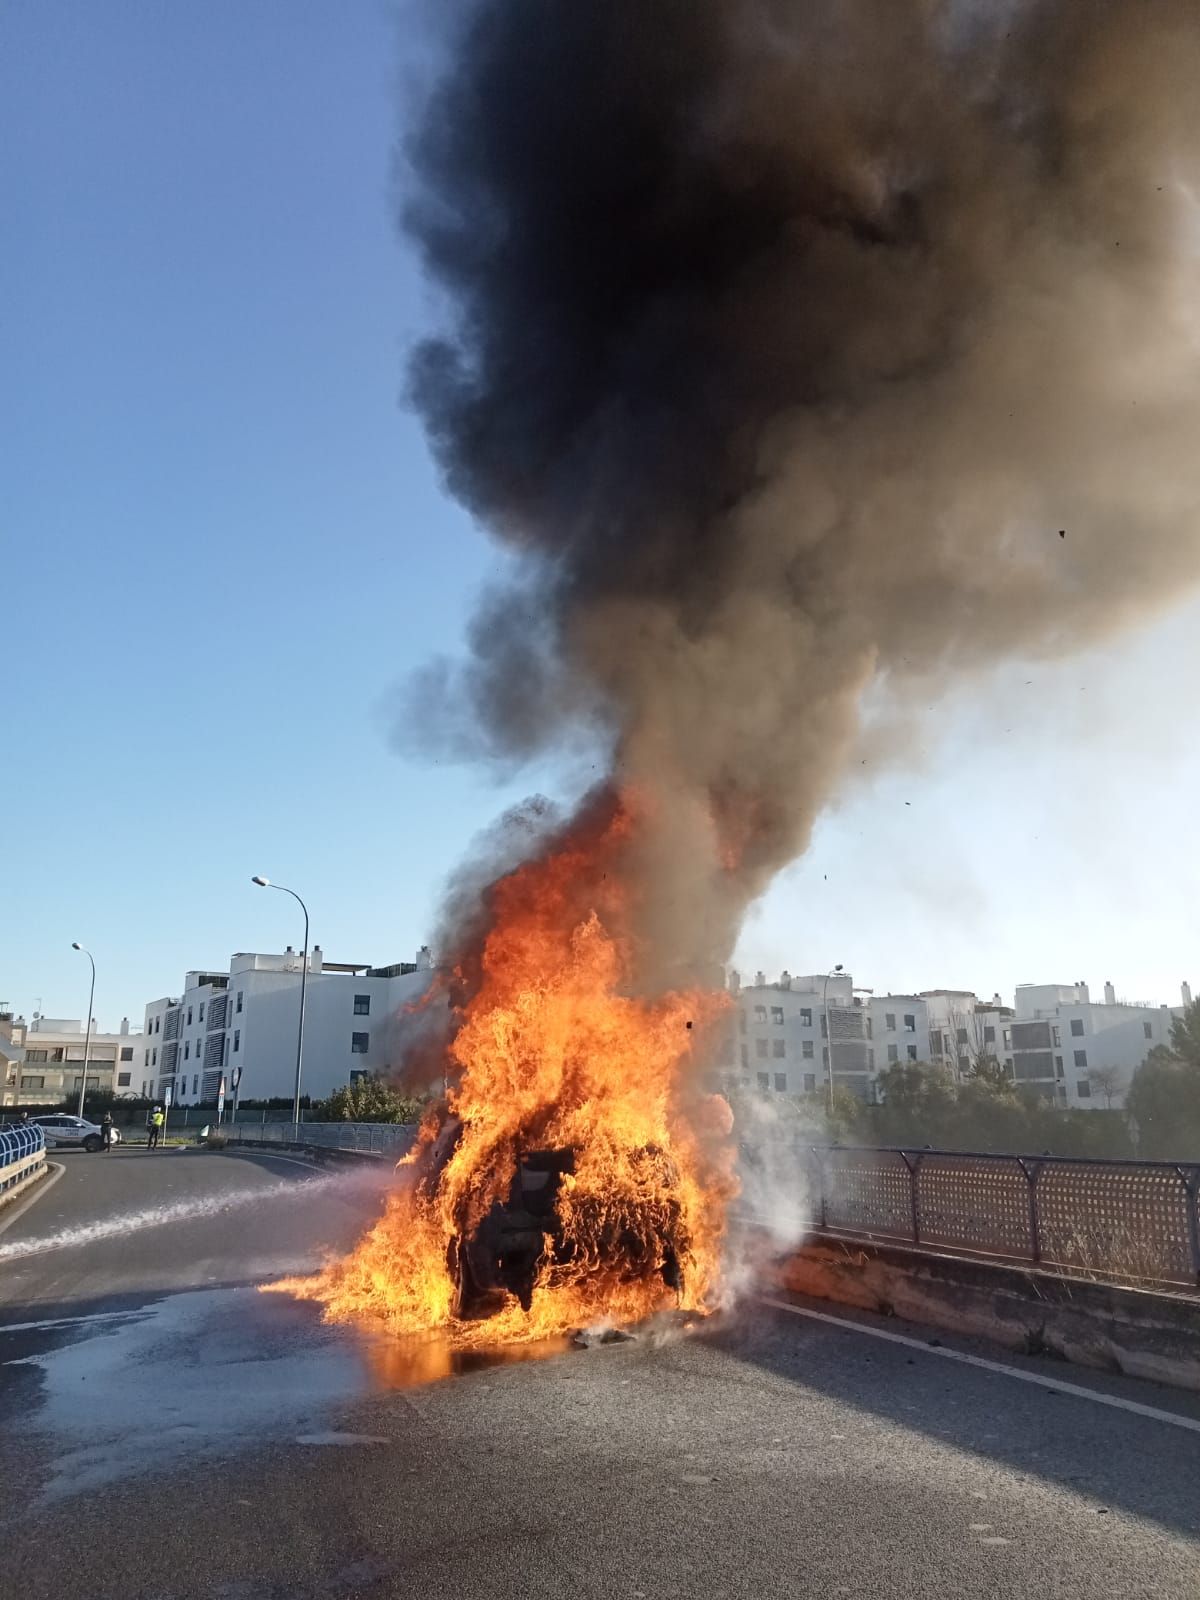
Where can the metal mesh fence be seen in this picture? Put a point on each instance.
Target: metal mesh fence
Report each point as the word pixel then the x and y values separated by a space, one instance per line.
pixel 1131 1219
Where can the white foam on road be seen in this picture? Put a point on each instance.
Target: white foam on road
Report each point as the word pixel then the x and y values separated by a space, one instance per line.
pixel 191 1209
pixel 1154 1413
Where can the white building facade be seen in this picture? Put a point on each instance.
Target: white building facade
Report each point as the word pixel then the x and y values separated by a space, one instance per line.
pixel 1079 1052
pixel 242 1025
pixel 44 1060
pixel 1054 1040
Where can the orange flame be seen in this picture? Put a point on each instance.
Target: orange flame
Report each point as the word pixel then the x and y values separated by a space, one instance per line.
pixel 554 1052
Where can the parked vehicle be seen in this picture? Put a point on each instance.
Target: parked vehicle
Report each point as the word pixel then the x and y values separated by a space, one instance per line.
pixel 73 1132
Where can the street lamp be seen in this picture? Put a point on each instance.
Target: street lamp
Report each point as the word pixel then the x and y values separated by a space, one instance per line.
pixel 265 883
pixel 829 1032
pixel 87 1041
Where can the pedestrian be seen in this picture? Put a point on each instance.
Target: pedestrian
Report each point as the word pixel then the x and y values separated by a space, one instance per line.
pixel 156 1122
pixel 106 1127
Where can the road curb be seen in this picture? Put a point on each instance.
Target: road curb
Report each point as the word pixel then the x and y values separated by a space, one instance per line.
pixel 10 1213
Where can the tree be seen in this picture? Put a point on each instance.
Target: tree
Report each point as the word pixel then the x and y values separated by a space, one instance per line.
pixel 1164 1101
pixel 1185 1036
pixel 1109 1080
pixel 367 1099
pixel 990 1069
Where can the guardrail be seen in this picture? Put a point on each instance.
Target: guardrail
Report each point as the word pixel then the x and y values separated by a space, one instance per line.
pixel 22 1156
pixel 1135 1219
pixel 375 1138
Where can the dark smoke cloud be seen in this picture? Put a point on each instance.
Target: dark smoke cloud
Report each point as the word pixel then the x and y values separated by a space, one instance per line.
pixel 786 341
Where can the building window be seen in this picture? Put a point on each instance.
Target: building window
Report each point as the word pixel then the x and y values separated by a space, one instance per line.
pixel 760 1013
pixel 910 1022
pixel 1056 1036
pixel 962 1034
pixel 123 1079
pixel 187 1049
pixel 1077 1027
pixel 126 1052
pixel 964 1063
pixel 745 1057
pixel 362 1005
pixel 781 1082
pixel 1008 1038
pixel 237 1038
pixel 1081 1058
pixel 764 1080
pixel 778 1048
pixel 36 1055
pixel 359 1041
pixel 893 1053
pixel 238 1007
pixel 201 1011
pixel 989 1036
pixel 824 1026
pixel 359 1074
pixel 825 1057
pixel 935 1041
pixel 56 1055
pixel 806 1049
pixel 1083 1089
pixel 810 1083
pixel 158 1024
pixel 154 1058
pixel 145 1058
pixel 195 1083
pixel 806 1017
pixel 870 1028
pixel 777 1016
pixel 742 1021
pixel 870 1061
pixel 889 1021
pixel 760 1049
pixel 912 1052
pixel 1148 1030
pixel 189 1020
pixel 32 1081
pixel 1058 1068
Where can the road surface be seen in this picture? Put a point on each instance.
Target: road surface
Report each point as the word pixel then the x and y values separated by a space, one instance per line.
pixel 167 1432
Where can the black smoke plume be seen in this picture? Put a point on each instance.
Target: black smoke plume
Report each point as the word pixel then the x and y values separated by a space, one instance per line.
pixel 801 348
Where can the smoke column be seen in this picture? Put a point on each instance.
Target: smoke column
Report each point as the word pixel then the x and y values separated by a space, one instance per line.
pixel 800 349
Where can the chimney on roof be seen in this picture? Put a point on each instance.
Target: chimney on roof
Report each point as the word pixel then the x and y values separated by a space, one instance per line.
pixel 1185 990
pixel 785 979
pixel 760 980
pixel 1110 995
pixel 424 958
pixel 124 1025
pixel 734 980
pixel 315 959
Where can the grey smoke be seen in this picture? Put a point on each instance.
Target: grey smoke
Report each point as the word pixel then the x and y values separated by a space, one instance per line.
pixel 799 351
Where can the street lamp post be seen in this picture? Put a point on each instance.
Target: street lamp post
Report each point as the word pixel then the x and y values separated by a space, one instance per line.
pixel 829 1032
pixel 265 883
pixel 87 1041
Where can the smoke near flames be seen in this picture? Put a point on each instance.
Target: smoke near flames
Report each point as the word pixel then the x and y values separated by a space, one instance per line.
pixel 799 352
pixel 799 349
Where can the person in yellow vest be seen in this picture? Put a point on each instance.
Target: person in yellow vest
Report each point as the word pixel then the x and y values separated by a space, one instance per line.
pixel 156 1126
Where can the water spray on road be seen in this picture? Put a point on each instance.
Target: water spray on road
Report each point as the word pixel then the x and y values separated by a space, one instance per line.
pixel 187 1210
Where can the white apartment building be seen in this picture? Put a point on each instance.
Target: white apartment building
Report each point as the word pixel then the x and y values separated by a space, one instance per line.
pixel 243 1024
pixel 1054 1040
pixel 43 1060
pixel 1079 1052
pixel 781 1037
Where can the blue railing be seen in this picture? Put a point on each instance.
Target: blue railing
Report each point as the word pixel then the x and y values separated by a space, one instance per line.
pixel 19 1148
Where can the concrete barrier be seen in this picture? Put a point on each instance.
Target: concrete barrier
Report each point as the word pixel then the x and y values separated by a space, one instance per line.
pixel 22 1159
pixel 1144 1333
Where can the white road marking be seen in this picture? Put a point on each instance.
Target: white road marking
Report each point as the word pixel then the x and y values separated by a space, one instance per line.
pixel 1115 1401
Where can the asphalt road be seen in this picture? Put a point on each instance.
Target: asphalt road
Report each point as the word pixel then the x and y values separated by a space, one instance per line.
pixel 166 1432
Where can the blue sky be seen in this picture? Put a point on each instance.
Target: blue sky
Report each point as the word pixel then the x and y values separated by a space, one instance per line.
pixel 224 546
